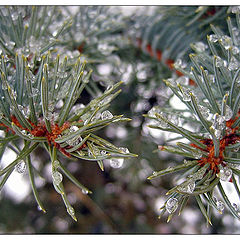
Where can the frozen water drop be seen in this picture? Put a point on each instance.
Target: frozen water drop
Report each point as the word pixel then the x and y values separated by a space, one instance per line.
pixel 213 38
pixel 225 174
pixel 220 205
pixel 21 167
pixel 106 115
pixel 57 177
pixel 171 205
pixel 85 191
pixel 116 162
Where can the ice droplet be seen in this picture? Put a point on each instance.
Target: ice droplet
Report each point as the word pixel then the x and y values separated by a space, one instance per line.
pixel 125 150
pixel 171 205
pixel 213 38
pixel 187 187
pixel 71 211
pixel 228 114
pixel 233 64
pixel 226 41
pixel 106 115
pixel 225 174
pixel 180 64
pixel 204 111
pixel 185 95
pixel 85 191
pixel 56 164
pixel 200 46
pixel 116 162
pixel 57 177
pixel 235 206
pixel 220 205
pixel 21 167
pixel 220 62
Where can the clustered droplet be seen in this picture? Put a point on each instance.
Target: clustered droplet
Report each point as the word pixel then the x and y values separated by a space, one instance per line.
pixel 225 174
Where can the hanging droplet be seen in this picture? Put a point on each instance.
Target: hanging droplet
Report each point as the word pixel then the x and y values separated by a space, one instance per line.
pixel 57 177
pixel 233 64
pixel 236 9
pixel 204 111
pixel 213 38
pixel 180 64
pixel 228 113
pixel 211 78
pixel 35 92
pixel 226 41
pixel 225 174
pixel 183 80
pixel 197 155
pixel 235 50
pixel 218 133
pixel 21 167
pixel 220 205
pixel 154 173
pixel 106 115
pixel 85 191
pixel 185 95
pixel 235 206
pixel 116 162
pixel 171 205
pixel 103 152
pixel 71 211
pixel 187 187
pixel 56 164
pixel 200 46
pixel 73 128
pixel 125 150
pixel 220 62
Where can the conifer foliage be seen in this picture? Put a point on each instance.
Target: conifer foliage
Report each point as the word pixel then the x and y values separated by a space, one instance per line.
pixel 212 152
pixel 39 89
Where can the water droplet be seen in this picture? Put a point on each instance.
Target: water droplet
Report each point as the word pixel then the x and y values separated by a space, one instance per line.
pixel 103 152
pixel 71 211
pixel 220 205
pixel 185 95
pixel 57 177
pixel 21 167
pixel 213 38
pixel 180 64
pixel 56 164
pixel 226 41
pixel 228 114
pixel 236 9
pixel 116 162
pixel 35 92
pixel 204 111
pixel 233 64
pixel 220 62
pixel 125 150
pixel 154 173
pixel 183 80
pixel 235 50
pixel 218 133
pixel 235 206
pixel 73 128
pixel 200 46
pixel 225 174
pixel 171 205
pixel 106 115
pixel 187 187
pixel 197 155
pixel 85 191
